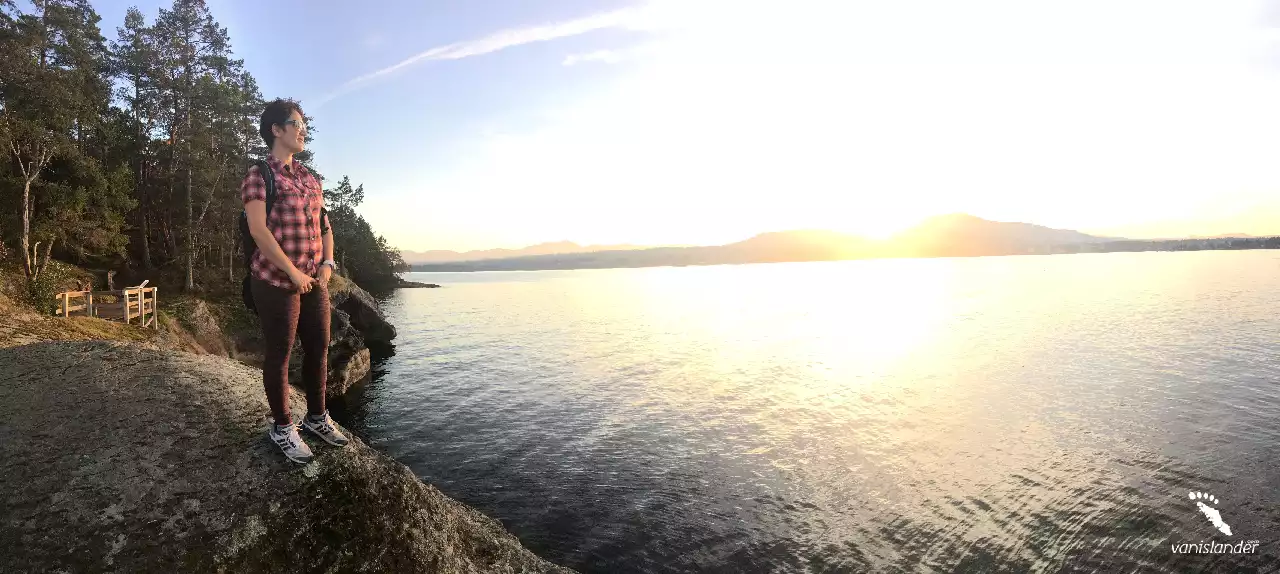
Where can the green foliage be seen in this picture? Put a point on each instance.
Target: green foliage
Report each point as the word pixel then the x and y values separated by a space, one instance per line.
pixel 41 293
pixel 344 198
pixel 364 255
pixel 132 152
pixel 87 208
pixel 53 92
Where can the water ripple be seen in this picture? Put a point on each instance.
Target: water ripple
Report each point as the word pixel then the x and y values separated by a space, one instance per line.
pixel 1016 414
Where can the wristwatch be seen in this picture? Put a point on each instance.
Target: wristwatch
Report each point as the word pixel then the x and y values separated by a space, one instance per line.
pixel 331 263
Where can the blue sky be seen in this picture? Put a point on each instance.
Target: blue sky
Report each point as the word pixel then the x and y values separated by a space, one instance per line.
pixel 506 123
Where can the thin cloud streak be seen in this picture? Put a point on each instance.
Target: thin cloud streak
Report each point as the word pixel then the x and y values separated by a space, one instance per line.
pixel 492 43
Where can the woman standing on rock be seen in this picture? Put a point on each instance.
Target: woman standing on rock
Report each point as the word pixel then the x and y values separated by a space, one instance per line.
pixel 289 278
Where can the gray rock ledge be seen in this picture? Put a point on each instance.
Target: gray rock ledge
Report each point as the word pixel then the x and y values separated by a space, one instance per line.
pixel 116 457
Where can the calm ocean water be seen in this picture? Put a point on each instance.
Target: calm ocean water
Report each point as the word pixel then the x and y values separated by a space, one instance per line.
pixel 1040 414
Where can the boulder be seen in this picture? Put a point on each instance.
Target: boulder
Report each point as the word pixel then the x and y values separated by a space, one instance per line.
pixel 354 370
pixel 356 323
pixel 349 360
pixel 363 312
pixel 115 457
pixel 203 325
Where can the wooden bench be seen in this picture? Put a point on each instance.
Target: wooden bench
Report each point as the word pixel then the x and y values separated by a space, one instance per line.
pixel 124 305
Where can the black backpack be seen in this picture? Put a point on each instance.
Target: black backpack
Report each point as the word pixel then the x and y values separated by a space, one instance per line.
pixel 248 245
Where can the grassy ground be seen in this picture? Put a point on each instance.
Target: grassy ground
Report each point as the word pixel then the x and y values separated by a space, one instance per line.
pixel 27 315
pixel 20 324
pixel 228 312
pixel 187 319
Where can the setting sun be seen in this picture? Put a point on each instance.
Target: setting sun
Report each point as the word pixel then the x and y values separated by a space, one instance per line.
pixel 715 121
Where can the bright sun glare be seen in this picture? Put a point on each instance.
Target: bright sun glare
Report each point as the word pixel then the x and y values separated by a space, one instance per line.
pixel 733 119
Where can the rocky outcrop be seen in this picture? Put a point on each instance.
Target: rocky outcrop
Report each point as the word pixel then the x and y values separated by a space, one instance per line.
pixel 362 312
pixel 203 326
pixel 416 285
pixel 349 360
pixel 355 369
pixel 356 325
pixel 115 457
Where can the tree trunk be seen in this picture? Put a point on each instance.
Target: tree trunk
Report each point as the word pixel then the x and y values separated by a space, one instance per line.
pixel 171 243
pixel 231 262
pixel 48 252
pixel 44 31
pixel 143 199
pixel 188 87
pixel 146 239
pixel 191 232
pixel 26 228
pixel 30 173
pixel 30 253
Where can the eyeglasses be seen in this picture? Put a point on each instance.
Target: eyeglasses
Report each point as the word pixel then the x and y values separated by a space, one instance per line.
pixel 301 125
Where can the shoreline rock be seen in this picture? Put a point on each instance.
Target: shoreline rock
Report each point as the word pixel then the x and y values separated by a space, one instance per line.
pixel 362 312
pixel 416 285
pixel 401 284
pixel 158 460
pixel 357 329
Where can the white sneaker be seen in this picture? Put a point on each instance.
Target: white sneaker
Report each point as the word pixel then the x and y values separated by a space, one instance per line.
pixel 288 440
pixel 325 429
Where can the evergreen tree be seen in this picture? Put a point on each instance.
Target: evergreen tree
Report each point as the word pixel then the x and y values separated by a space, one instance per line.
pixel 54 93
pixel 149 173
pixel 363 255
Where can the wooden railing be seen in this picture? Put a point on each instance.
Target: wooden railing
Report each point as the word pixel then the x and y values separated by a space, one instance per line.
pixel 120 305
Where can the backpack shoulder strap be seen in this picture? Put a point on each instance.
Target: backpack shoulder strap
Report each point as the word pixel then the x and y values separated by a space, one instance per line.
pixel 269 179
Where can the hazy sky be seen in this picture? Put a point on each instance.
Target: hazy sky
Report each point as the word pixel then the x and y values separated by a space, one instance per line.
pixel 505 123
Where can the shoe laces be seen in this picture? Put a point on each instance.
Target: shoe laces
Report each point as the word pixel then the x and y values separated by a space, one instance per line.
pixel 290 435
pixel 324 425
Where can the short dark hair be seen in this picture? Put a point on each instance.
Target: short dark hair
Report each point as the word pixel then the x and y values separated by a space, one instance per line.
pixel 276 114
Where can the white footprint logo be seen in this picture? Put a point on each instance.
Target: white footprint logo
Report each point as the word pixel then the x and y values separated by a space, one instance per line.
pixel 1211 513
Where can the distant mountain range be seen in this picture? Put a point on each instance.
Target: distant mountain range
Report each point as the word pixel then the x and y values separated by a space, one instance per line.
pixel 551 248
pixel 966 235
pixel 955 235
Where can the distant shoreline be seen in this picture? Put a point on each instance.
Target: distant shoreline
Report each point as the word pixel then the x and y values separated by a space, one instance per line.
pixel 606 260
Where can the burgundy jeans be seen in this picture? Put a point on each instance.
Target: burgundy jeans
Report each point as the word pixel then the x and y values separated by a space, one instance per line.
pixel 284 314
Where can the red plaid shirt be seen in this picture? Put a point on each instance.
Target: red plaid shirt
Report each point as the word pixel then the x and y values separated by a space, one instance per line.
pixel 294 220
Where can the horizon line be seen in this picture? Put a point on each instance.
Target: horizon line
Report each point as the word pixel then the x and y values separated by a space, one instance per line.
pixel 868 238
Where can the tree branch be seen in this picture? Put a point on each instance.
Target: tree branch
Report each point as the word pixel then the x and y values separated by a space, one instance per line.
pixel 208 200
pixel 18 156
